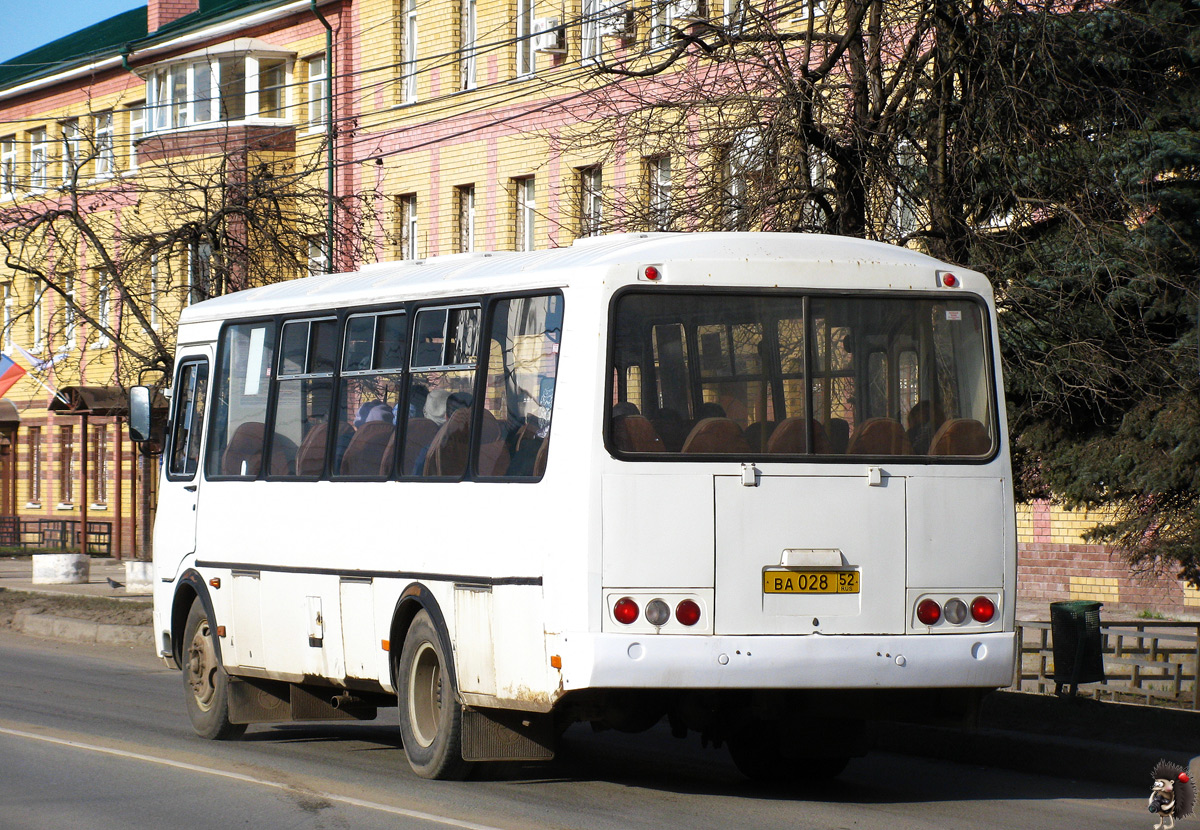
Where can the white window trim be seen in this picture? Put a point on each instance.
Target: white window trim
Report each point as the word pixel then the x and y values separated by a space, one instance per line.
pixel 526 56
pixel 106 158
pixel 467 65
pixel 316 92
pixel 8 165
pixel 138 115
pixel 408 71
pixel 160 86
pixel 39 160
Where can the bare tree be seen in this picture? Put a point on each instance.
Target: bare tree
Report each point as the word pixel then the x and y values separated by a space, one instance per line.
pixel 110 260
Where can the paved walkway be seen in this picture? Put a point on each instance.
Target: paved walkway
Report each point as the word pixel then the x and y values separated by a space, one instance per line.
pixel 16 573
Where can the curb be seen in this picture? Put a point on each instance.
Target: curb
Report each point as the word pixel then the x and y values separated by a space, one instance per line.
pixel 1057 757
pixel 81 631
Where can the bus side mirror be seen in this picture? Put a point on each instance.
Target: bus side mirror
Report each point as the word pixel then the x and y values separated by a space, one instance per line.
pixel 139 414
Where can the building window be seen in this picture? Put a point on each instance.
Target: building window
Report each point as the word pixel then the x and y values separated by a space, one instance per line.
pixel 70 313
pixel 465 196
pixel 38 157
pixel 137 129
pixel 467 46
pixel 318 78
pixel 590 32
pixel 153 293
pixel 105 161
pixel 408 57
pixel 318 262
pixel 658 193
pixel 8 165
pixel 525 54
pixel 526 212
pixel 199 273
pixel 591 208
pixel 38 316
pixel 72 155
pixel 217 89
pixel 103 309
pixel 272 86
pixel 409 227
pixel 8 315
pixel 34 466
pixel 66 465
pixel 98 466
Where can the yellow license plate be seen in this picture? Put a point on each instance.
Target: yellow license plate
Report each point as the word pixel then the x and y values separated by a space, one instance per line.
pixel 810 582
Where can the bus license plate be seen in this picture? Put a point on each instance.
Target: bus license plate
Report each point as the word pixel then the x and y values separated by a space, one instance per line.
pixel 810 582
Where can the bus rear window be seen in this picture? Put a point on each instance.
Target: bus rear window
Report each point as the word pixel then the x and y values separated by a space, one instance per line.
pixel 786 375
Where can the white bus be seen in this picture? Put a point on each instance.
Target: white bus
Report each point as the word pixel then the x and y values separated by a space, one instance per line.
pixel 757 484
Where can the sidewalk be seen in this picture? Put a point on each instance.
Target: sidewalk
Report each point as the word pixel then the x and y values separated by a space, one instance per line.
pixel 16 574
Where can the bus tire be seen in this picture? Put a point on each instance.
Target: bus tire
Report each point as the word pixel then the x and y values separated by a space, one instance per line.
pixel 430 714
pixel 205 683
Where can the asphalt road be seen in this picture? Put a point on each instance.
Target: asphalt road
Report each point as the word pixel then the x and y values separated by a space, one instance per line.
pixel 96 737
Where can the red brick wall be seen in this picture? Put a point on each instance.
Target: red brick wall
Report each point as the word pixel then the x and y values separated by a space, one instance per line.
pixel 1054 563
pixel 161 12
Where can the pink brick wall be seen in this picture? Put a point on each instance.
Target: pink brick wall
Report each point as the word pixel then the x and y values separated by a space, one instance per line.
pixel 1048 572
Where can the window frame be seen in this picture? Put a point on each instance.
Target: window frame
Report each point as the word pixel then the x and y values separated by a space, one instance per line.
pixel 810 374
pixel 410 309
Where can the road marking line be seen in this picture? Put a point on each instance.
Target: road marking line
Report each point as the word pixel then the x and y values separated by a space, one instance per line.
pixel 250 779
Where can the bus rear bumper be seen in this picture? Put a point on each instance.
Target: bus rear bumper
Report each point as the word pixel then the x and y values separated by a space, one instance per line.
pixel 812 661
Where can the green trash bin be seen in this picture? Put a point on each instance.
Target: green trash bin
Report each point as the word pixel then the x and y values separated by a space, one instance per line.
pixel 1078 655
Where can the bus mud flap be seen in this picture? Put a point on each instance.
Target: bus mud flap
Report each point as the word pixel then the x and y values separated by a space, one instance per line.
pixel 258 701
pixel 506 735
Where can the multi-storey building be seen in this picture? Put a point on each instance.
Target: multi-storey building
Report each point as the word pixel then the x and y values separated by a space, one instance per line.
pixel 192 147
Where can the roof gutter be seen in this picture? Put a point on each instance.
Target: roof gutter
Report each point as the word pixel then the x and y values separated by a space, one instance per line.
pixel 226 27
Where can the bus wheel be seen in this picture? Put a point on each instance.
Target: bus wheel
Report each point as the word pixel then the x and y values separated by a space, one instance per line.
pixel 759 752
pixel 205 682
pixel 430 715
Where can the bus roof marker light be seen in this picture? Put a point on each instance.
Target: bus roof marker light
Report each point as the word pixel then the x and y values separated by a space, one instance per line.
pixel 948 280
pixel 651 273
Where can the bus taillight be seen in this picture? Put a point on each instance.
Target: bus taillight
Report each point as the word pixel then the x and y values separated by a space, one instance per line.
pixel 929 612
pixel 626 611
pixel 687 612
pixel 982 609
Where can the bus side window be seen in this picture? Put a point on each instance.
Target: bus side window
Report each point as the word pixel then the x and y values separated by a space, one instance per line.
pixel 441 391
pixel 519 387
pixel 236 432
pixel 191 391
pixel 304 397
pixel 369 396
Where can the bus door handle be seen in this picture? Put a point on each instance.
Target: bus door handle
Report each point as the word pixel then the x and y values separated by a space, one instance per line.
pixel 191 488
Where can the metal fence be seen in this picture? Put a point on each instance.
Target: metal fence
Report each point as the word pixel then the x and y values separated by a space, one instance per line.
pixel 1157 662
pixel 54 534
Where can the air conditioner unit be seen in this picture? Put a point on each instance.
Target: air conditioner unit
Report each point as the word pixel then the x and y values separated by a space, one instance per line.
pixel 549 36
pixel 616 20
pixel 689 11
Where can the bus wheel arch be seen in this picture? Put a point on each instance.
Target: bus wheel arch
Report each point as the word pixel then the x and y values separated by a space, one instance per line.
pixel 423 676
pixel 191 588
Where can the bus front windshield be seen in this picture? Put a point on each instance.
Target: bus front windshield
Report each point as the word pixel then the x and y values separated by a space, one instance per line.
pixel 788 375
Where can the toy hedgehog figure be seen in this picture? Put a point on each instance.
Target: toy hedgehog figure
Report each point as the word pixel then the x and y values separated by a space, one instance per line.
pixel 1173 795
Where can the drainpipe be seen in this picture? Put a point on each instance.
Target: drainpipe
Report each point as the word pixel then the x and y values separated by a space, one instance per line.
pixel 329 136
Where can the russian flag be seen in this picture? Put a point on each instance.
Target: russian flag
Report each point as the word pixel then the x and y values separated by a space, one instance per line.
pixel 10 373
